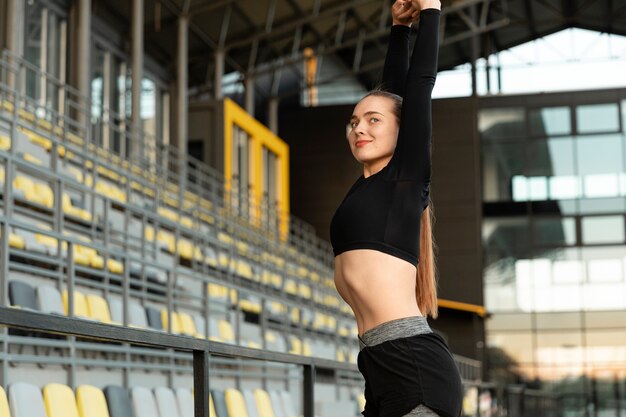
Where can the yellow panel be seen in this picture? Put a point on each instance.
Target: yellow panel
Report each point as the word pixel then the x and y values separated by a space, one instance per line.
pixel 91 401
pixel 458 305
pixel 60 401
pixel 235 403
pixel 260 137
pixel 4 404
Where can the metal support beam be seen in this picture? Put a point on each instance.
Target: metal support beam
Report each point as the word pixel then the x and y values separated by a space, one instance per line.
pixel 181 81
pixel 84 47
pixel 201 383
pixel 137 75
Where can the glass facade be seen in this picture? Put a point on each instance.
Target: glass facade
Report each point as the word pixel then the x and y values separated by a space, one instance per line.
pixel 554 189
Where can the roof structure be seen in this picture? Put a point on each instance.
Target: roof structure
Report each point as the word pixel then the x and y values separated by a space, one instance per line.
pixel 265 40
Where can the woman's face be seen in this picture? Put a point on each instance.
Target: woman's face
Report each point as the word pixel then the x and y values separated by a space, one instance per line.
pixel 373 130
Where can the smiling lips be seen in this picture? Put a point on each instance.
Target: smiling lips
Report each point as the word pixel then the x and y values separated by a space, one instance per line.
pixel 360 143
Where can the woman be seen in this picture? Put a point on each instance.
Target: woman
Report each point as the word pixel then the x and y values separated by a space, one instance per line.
pixel 380 225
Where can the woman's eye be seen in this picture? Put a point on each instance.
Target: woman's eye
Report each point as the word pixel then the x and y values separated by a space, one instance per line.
pixel 374 118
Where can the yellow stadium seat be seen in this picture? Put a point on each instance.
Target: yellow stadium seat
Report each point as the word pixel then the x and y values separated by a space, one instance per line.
pixel 295 315
pixel 60 401
pixel 4 404
pixel 185 249
pixel 263 403
pixel 115 266
pixel 70 210
pixel 226 332
pixel 80 304
pixel 5 143
pixel 296 345
pixel 304 291
pixel 44 194
pixel 17 241
pixel 291 287
pixel 176 327
pixel 250 306
pixel 91 402
pixel 244 269
pixel 187 325
pixel 235 403
pixel 340 355
pixel 31 158
pixel 98 308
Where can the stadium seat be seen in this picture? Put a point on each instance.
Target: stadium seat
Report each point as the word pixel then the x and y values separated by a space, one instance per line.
pixel 80 304
pixel 118 401
pixel 219 402
pixel 251 405
pixel 226 332
pixel 200 324
pixel 154 318
pixel 235 403
pixel 91 402
pixel 71 210
pixel 144 403
pixel 188 325
pixel 264 403
pixel 275 341
pixel 23 295
pixel 4 404
pixel 5 142
pixel 60 401
pixel 166 402
pixel 26 400
pixel 49 300
pixel 176 327
pixel 185 403
pixel 136 313
pixel 98 309
pixel 277 404
pixel 289 408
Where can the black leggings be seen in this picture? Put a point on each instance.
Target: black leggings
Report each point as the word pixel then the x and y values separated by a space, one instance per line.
pixel 408 371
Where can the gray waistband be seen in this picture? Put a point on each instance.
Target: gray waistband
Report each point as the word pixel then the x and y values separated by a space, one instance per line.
pixel 394 329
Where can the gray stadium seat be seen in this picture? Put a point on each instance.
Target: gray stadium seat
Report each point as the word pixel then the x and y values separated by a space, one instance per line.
pixel 26 400
pixel 144 403
pixel 219 400
pixel 289 408
pixel 23 295
pixel 166 402
pixel 275 341
pixel 248 395
pixel 136 313
pixel 49 300
pixel 118 401
pixel 185 402
pixel 277 403
pixel 200 324
pixel 154 318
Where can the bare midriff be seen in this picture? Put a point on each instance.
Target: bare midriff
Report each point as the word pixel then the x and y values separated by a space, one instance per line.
pixel 377 286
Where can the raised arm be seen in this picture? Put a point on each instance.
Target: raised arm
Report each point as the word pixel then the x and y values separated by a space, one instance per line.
pixel 412 157
pixel 397 59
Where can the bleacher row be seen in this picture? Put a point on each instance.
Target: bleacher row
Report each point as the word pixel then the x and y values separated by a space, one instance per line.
pixel 124 231
pixel 288 274
pixel 58 400
pixel 47 299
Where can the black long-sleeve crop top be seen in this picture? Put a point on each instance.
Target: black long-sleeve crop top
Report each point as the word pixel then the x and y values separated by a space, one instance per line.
pixel 383 211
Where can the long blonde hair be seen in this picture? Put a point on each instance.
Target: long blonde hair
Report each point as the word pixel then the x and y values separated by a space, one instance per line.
pixel 426 282
pixel 427 273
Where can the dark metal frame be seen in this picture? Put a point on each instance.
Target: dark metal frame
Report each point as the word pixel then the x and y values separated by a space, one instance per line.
pixel 202 350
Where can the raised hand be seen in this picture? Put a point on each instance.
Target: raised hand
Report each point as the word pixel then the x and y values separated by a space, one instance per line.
pixel 425 4
pixel 403 13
